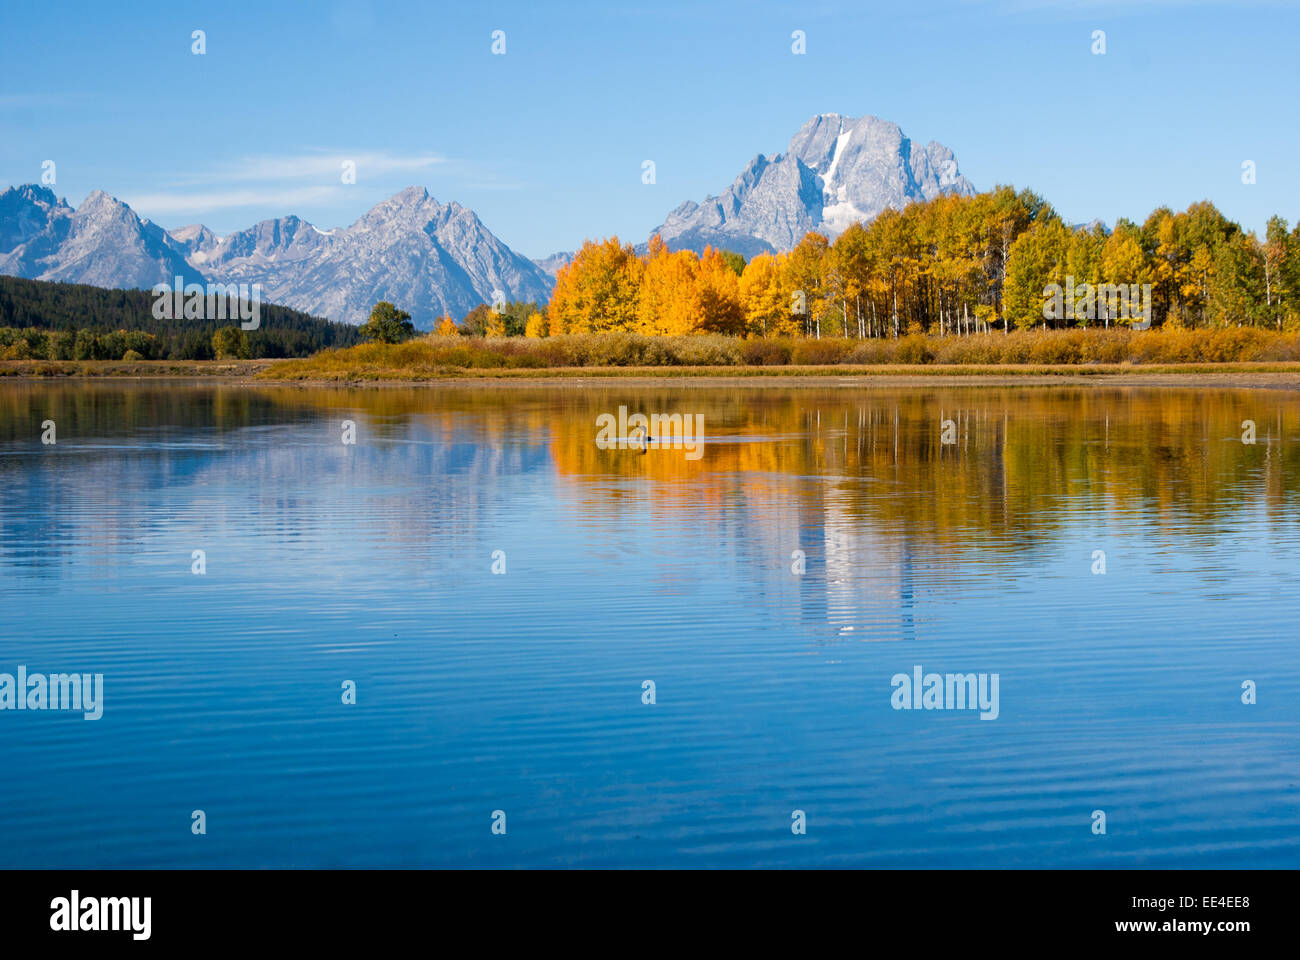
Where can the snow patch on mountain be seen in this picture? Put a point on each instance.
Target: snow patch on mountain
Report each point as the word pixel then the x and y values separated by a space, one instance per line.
pixel 836 171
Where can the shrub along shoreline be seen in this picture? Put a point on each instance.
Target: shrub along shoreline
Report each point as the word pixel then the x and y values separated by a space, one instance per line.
pixel 1019 355
pixel 435 357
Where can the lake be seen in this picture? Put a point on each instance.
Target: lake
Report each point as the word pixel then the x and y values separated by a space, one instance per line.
pixel 502 597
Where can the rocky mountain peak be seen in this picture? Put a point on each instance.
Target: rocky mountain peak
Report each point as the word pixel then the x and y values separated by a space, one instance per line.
pixel 26 212
pixel 100 204
pixel 836 171
pixel 102 243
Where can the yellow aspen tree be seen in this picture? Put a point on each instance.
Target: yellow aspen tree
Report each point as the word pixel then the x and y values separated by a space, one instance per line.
pixel 762 298
pixel 803 278
pixel 1123 266
pixel 669 303
pixel 537 325
pixel 718 296
pixel 598 291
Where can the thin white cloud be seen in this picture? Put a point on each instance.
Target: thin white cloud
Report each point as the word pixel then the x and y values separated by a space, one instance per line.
pixel 178 202
pixel 276 181
pixel 315 166
pixel 287 182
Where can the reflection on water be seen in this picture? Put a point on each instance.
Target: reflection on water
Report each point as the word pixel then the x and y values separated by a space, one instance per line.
pixel 825 541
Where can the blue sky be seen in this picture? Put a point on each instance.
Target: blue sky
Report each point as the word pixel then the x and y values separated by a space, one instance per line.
pixel 546 142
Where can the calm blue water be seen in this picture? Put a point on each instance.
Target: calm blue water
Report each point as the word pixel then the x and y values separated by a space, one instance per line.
pixel 522 691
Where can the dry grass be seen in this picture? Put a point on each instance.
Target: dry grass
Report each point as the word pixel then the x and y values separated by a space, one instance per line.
pixel 434 357
pixel 1024 353
pixel 50 369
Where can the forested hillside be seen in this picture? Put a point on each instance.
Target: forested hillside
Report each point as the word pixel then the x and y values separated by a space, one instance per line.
pixel 64 321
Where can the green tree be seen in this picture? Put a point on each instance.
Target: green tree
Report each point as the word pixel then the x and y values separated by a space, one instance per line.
pixel 230 343
pixel 733 260
pixel 387 324
pixel 477 321
pixel 1236 285
pixel 1278 269
pixel 507 320
pixel 1034 260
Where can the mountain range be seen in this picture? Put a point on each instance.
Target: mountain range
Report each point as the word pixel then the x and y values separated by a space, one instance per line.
pixel 101 243
pixel 432 258
pixel 429 258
